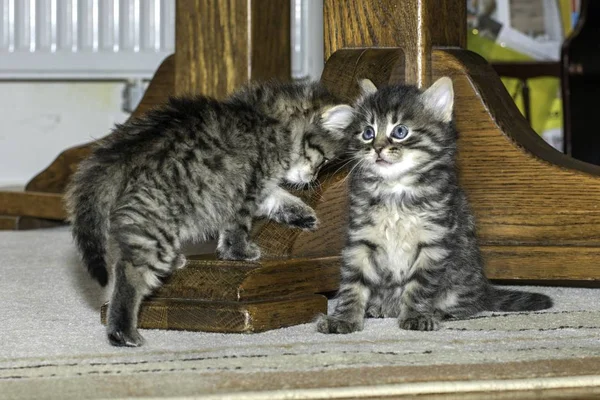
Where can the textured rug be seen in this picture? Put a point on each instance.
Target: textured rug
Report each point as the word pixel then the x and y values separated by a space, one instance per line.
pixel 53 346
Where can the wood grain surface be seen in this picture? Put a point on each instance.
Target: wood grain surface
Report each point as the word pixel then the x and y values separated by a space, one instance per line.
pixel 23 223
pixel 270 40
pixel 228 317
pixel 8 223
pixel 413 25
pixel 221 44
pixel 208 278
pixel 35 204
pixel 522 190
pixel 28 223
pixel 542 263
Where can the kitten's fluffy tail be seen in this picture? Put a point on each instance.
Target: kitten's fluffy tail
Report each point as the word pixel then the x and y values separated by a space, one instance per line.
pixel 513 300
pixel 89 198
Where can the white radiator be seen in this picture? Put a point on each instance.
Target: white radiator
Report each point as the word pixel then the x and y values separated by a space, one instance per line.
pixel 307 39
pixel 84 39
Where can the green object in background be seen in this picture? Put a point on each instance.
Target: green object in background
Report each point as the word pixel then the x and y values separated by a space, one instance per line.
pixel 543 92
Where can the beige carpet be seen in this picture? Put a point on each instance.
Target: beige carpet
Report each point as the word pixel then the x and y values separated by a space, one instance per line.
pixel 53 346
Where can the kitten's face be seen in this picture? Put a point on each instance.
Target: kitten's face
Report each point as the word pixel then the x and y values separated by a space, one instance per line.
pixel 322 141
pixel 400 129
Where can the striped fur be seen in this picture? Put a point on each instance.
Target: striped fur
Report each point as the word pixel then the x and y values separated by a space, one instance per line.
pixel 411 250
pixel 193 169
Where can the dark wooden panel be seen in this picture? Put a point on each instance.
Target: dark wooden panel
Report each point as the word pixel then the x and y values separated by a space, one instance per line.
pixel 227 317
pixel 212 45
pixel 28 223
pixel 580 82
pixel 270 47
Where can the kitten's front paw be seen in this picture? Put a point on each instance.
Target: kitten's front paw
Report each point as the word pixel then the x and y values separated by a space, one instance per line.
pixel 308 222
pixel 122 338
pixel 327 324
pixel 420 323
pixel 248 252
pixel 297 216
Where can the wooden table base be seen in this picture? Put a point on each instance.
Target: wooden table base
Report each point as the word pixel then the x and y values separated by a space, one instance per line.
pixel 228 316
pixel 212 295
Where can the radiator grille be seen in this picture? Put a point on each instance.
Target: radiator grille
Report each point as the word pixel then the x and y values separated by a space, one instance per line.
pixel 84 39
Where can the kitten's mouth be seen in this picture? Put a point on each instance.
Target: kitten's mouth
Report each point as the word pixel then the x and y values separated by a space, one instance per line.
pixel 381 161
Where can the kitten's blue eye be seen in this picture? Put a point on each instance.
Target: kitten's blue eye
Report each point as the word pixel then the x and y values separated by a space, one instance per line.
pixel 399 132
pixel 368 134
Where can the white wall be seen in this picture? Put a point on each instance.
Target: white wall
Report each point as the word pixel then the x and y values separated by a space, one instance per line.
pixel 40 119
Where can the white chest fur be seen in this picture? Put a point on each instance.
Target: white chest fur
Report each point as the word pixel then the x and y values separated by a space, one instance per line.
pixel 397 231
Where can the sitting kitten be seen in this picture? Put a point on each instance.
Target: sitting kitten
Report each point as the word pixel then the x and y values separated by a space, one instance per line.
pixel 191 170
pixel 411 250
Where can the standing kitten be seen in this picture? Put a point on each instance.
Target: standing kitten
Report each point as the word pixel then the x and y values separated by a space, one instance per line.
pixel 411 250
pixel 296 106
pixel 191 170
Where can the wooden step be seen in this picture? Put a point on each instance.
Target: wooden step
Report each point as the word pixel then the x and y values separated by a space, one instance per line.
pixel 207 278
pixel 228 316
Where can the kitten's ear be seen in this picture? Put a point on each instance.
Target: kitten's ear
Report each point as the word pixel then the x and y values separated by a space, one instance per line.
pixel 440 98
pixel 337 118
pixel 367 87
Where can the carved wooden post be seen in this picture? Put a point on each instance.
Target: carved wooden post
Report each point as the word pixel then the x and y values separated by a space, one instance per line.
pixel 415 26
pixel 221 44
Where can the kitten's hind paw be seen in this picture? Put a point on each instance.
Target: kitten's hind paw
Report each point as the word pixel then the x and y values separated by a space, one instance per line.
pixel 327 324
pixel 179 261
pixel 122 339
pixel 249 252
pixel 420 323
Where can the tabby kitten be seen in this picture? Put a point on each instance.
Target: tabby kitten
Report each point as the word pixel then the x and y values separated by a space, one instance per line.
pixel 194 169
pixel 411 249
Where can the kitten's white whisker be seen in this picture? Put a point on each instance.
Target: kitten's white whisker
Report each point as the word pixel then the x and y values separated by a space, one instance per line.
pixel 357 165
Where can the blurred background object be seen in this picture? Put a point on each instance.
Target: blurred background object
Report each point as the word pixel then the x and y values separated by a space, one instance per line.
pixel 581 84
pixel 522 40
